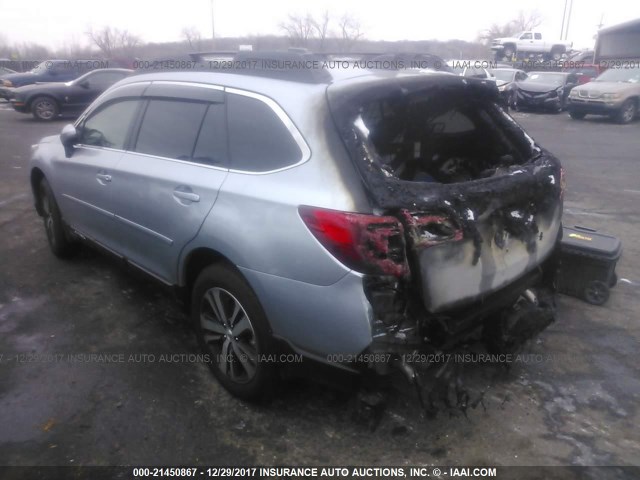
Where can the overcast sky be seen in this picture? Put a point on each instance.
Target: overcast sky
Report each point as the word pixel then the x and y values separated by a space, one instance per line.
pixel 54 22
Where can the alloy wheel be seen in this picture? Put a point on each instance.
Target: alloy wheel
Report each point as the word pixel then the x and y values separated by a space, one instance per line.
pixel 45 109
pixel 229 335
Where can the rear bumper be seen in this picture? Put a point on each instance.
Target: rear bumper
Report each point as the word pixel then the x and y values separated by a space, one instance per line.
pixel 316 321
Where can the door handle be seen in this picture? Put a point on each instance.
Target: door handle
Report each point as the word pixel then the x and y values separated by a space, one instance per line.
pixel 104 177
pixel 190 196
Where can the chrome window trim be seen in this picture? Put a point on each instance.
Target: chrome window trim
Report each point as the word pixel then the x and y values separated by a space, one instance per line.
pixel 288 123
pixel 184 83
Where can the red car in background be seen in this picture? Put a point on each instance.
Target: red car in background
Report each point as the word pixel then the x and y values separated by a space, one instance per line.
pixel 586 72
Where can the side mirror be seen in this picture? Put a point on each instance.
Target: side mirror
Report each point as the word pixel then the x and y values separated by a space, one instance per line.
pixel 68 137
pixel 84 84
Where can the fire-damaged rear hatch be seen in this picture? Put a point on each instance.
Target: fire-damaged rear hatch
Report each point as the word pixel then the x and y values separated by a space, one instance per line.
pixel 479 201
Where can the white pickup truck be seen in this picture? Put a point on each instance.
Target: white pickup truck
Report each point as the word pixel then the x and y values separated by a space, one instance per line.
pixel 529 43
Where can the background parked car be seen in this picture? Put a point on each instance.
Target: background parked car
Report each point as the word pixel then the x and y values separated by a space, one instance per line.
pixel 615 93
pixel 546 90
pixel 47 71
pixel 469 68
pixel 47 100
pixel 586 72
pixel 506 79
pixel 5 71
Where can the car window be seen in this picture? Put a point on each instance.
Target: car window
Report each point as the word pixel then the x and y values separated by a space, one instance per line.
pixel 211 146
pixel 104 79
pixel 170 128
pixel 520 76
pixel 258 140
pixel 538 36
pixel 475 72
pixel 526 36
pixel 109 126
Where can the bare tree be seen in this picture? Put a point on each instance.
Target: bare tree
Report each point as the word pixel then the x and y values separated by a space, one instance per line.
pixel 497 31
pixel 527 21
pixel 524 21
pixel 350 32
pixel 193 37
pixel 112 40
pixel 33 51
pixel 299 29
pixel 321 28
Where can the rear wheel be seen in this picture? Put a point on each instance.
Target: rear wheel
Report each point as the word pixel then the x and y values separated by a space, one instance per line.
pixel 44 108
pixel 59 241
pixel 627 112
pixel 232 329
pixel 577 115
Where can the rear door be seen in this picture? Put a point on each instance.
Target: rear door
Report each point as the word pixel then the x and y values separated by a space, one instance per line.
pixel 85 179
pixel 165 186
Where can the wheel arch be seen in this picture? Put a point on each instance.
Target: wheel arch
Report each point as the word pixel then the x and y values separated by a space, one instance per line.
pixel 35 178
pixel 30 100
pixel 195 262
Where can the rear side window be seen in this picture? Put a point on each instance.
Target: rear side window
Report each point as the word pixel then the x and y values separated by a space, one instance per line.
pixel 258 140
pixel 170 128
pixel 109 126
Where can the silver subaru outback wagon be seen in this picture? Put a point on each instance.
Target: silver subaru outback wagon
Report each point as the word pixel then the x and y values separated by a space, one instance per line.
pixel 355 219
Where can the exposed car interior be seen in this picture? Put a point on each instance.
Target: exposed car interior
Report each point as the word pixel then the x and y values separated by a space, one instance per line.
pixel 440 138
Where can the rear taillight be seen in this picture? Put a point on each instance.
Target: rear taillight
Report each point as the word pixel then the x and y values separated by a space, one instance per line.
pixel 365 243
pixel 428 229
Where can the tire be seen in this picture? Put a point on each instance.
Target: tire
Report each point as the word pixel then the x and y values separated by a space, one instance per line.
pixel 44 108
pixel 596 292
pixel 59 242
pixel 577 115
pixel 556 53
pixel 508 52
pixel 232 329
pixel 627 112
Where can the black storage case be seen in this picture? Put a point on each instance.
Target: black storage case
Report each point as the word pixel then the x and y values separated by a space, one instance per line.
pixel 588 263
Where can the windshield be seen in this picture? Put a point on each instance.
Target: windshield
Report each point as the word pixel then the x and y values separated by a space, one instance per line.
pixel 627 75
pixel 40 68
pixel 547 78
pixel 503 75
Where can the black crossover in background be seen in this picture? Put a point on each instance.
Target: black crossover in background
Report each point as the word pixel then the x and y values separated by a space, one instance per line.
pixel 47 100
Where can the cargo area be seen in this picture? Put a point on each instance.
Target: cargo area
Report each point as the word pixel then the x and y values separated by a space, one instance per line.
pixel 480 203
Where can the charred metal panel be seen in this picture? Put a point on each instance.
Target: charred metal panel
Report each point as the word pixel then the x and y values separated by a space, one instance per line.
pixel 469 239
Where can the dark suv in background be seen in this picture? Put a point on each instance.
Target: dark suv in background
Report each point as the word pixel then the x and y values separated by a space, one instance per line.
pixel 47 71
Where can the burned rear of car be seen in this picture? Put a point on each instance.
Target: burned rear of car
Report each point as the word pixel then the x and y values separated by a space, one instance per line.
pixel 472 210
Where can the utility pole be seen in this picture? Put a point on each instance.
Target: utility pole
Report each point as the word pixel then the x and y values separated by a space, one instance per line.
pixel 566 31
pixel 564 14
pixel 213 28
